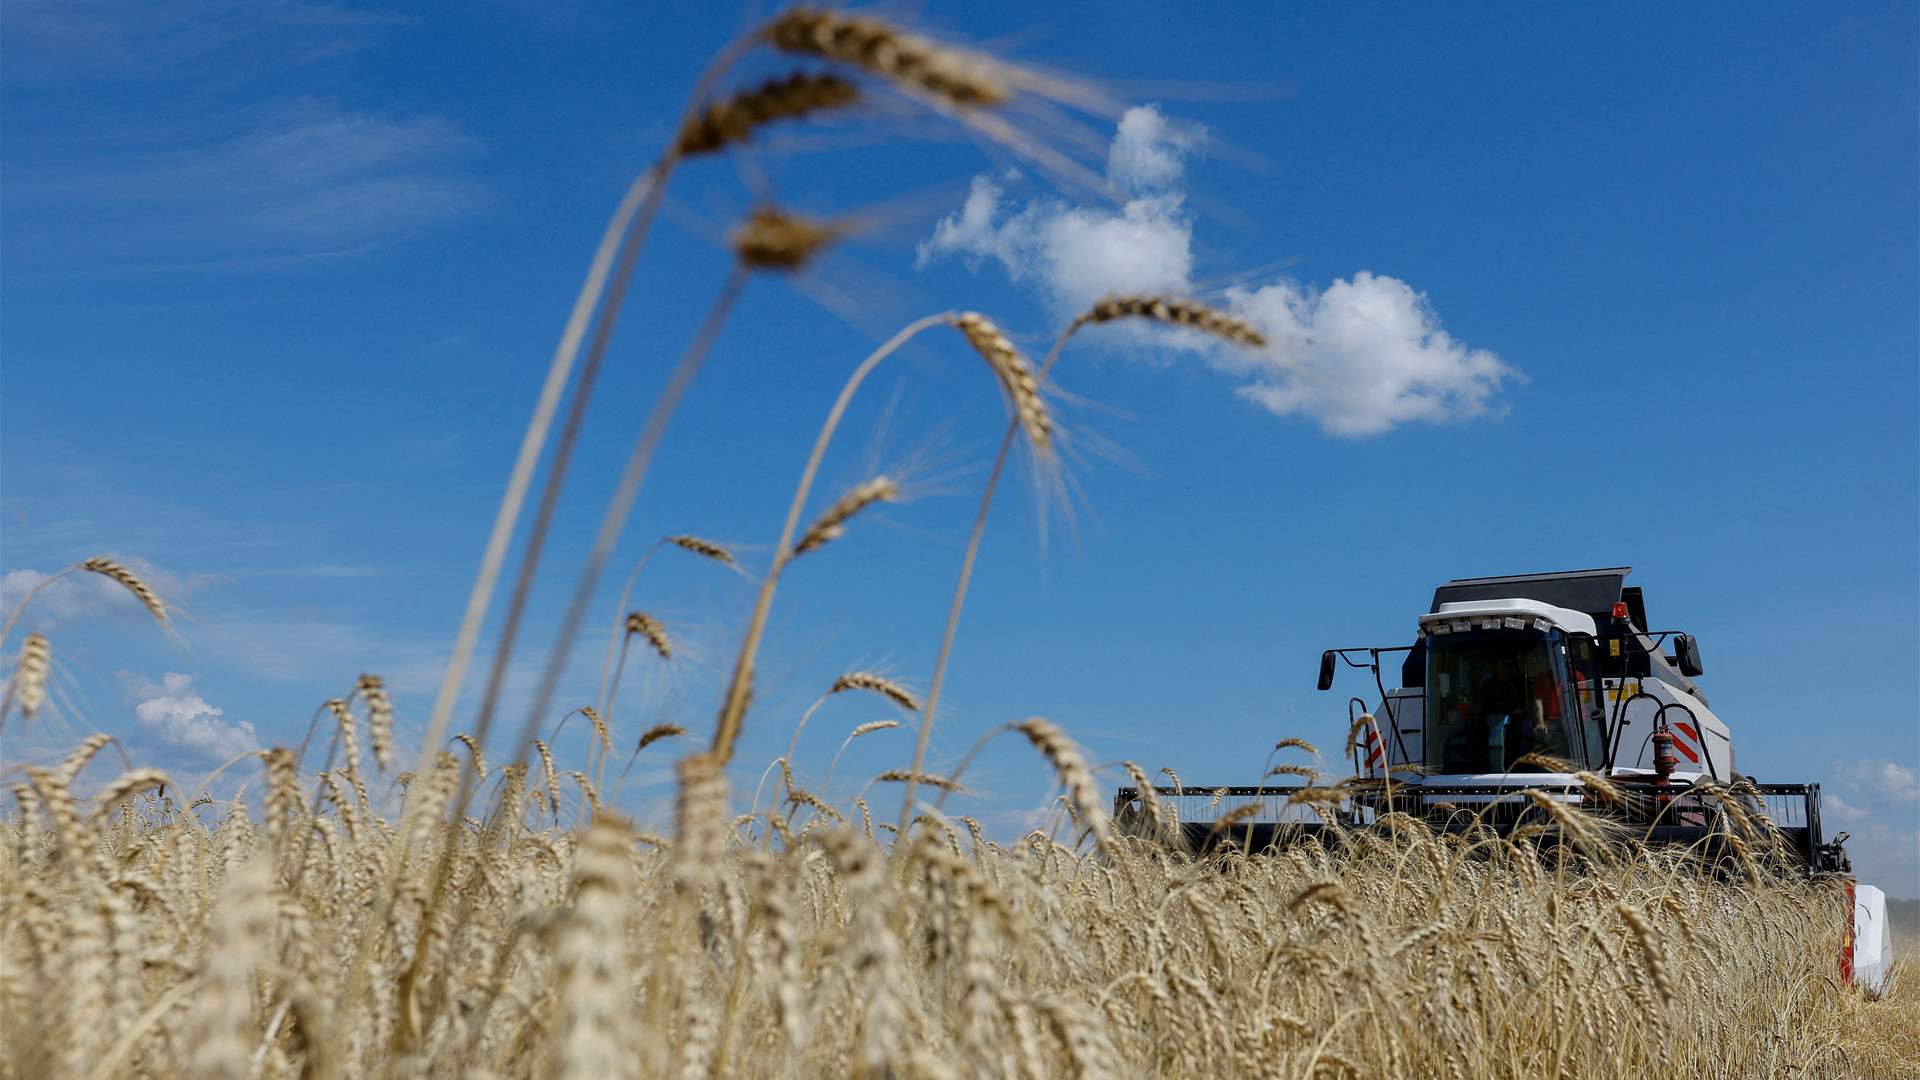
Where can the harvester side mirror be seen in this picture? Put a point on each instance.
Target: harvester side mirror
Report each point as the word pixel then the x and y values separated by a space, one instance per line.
pixel 1326 670
pixel 1686 655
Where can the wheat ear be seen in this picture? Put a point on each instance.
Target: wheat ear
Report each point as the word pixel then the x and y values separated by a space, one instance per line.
pixel 876 683
pixel 646 626
pixel 1015 374
pixel 131 582
pixel 902 776
pixel 1071 768
pixel 831 525
pixel 30 674
pixel 706 549
pixel 734 119
pixel 920 66
pixel 1176 312
pixel 373 691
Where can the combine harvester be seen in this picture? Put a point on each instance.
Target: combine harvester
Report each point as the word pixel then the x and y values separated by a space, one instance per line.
pixel 1509 675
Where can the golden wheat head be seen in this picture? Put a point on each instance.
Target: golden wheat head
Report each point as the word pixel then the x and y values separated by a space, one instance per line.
pixel 951 75
pixel 30 674
pixel 878 684
pixel 773 239
pixel 706 549
pixel 735 119
pixel 131 582
pixel 641 624
pixel 1014 373
pixel 1176 312
pixel 832 525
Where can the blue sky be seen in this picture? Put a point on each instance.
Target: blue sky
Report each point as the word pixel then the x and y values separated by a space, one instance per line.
pixel 280 283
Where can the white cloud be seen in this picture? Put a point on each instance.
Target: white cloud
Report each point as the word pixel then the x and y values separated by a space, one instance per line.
pixel 1841 810
pixel 1364 356
pixel 171 712
pixel 1360 357
pixel 1882 778
pixel 1148 153
pixel 1077 254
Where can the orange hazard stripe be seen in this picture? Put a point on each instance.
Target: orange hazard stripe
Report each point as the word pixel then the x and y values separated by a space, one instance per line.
pixel 1687 730
pixel 1377 745
pixel 1687 750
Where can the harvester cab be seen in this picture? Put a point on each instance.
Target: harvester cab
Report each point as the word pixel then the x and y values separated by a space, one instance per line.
pixel 1509 674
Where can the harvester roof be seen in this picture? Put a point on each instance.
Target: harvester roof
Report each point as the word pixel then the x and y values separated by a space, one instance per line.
pixel 1514 611
pixel 1591 591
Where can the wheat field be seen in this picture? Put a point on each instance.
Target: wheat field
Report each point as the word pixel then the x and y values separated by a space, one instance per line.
pixel 495 919
pixel 146 938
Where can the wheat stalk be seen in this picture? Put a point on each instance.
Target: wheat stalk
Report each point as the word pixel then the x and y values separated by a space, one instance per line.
pixel 739 687
pixel 1022 387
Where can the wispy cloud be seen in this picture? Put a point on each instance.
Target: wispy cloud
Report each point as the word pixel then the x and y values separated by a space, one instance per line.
pixel 49 40
pixel 1881 808
pixel 163 138
pixel 1361 356
pixel 1881 778
pixel 292 181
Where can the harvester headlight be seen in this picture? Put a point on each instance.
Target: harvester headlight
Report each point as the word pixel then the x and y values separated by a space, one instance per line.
pixel 1463 625
pixel 1514 623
